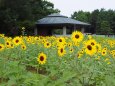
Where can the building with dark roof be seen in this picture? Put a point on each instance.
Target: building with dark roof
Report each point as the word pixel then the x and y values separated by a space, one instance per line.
pixel 57 21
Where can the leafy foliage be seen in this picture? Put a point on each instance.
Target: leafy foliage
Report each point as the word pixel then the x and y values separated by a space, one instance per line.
pixel 96 18
pixel 22 13
pixel 20 67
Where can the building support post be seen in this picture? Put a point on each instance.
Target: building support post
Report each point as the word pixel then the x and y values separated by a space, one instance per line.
pixel 82 29
pixel 74 27
pixel 35 31
pixel 64 30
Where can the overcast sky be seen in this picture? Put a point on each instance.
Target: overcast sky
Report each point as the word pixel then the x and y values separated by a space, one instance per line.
pixel 67 7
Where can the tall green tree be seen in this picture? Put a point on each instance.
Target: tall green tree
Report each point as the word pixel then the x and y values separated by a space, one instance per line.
pixel 81 16
pixel 94 20
pixel 15 14
pixel 105 28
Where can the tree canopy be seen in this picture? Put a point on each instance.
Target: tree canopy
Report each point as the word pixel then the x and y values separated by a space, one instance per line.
pixel 15 14
pixel 102 21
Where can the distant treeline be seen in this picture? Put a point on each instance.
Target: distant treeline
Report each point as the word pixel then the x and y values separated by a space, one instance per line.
pixel 102 21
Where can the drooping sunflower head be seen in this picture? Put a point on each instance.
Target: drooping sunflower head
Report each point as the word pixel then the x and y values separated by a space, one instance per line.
pixel 79 55
pixel 41 58
pixel 1 47
pixel 97 58
pixel 106 59
pixel 77 36
pixel 98 46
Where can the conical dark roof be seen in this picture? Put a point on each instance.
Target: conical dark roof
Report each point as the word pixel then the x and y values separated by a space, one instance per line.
pixel 56 18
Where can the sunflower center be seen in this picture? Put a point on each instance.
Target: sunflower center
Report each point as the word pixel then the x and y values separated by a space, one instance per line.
pixel 47 44
pixel 7 43
pixel 17 41
pixel 11 44
pixel 61 50
pixel 77 36
pixel 0 47
pixel 103 52
pixel 78 55
pixel 92 43
pixel 41 58
pixel 23 47
pixel 60 40
pixel 89 47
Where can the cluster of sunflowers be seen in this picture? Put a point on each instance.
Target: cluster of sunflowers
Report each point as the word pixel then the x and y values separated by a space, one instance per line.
pixel 77 45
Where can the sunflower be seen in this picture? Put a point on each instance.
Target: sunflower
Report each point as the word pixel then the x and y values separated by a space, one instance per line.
pixel 106 59
pixel 71 50
pixel 17 40
pixel 113 55
pixel 104 52
pixel 105 48
pixel 98 46
pixel 77 36
pixel 98 58
pixel 41 58
pixel 89 37
pixel 12 45
pixel 2 35
pixel 90 50
pixel 47 44
pixel 29 39
pixel 61 51
pixel 61 41
pixel 109 63
pixel 1 47
pixel 8 44
pixel 111 44
pixel 82 50
pixel 93 42
pixel 79 55
pixel 69 44
pixel 23 47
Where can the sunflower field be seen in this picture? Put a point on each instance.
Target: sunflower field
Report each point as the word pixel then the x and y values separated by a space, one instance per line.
pixel 78 60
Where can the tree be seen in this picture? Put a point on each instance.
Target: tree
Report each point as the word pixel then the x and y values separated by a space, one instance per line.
pixel 105 28
pixel 94 21
pixel 15 14
pixel 81 16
